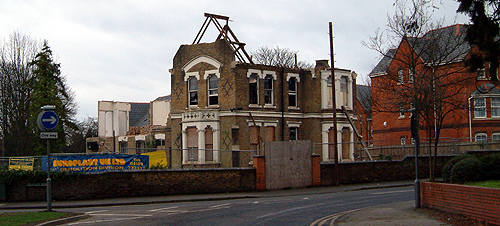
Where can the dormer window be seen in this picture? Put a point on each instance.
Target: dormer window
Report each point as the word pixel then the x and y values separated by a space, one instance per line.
pixel 400 76
pixel 268 89
pixel 193 91
pixel 213 90
pixel 253 88
pixel 411 75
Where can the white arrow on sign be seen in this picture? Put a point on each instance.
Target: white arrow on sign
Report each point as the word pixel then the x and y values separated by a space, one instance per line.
pixel 52 120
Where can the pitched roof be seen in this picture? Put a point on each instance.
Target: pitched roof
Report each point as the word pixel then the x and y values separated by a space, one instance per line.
pixel 139 114
pixel 449 41
pixel 364 96
pixel 384 63
pixel 163 98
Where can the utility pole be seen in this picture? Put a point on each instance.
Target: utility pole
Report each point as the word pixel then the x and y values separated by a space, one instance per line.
pixel 334 107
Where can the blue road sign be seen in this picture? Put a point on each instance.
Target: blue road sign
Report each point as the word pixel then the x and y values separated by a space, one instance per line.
pixel 49 120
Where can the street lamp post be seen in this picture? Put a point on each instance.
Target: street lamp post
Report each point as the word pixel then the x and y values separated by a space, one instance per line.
pixel 415 135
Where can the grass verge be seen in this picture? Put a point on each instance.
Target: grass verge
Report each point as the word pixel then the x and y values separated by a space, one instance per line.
pixel 23 218
pixel 487 183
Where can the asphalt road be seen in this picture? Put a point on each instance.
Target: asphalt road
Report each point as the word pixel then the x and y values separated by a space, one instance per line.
pixel 285 210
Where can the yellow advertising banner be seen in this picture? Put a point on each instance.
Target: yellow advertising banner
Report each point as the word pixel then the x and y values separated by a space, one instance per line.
pixel 21 163
pixel 157 159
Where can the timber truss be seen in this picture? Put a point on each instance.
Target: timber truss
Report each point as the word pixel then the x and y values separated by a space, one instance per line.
pixel 225 33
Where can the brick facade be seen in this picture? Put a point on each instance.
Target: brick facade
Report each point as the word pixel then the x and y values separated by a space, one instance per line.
pixel 233 119
pixel 392 127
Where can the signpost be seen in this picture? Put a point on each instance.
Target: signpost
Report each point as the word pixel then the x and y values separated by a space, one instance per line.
pixel 47 121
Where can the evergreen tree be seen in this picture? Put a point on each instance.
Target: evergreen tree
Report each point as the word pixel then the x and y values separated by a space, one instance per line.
pixel 484 32
pixel 49 88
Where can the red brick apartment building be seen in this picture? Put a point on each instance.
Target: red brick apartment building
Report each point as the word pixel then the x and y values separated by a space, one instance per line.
pixel 478 118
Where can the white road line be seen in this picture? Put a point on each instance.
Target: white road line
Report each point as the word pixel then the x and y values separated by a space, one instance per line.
pixel 97 211
pixel 120 214
pixel 305 198
pixel 155 210
pixel 284 211
pixel 330 218
pixel 225 204
pixel 389 192
pixel 174 211
pixel 109 220
pixel 255 202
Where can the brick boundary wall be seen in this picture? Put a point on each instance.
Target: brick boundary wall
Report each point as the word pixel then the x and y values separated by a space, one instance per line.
pixel 139 183
pixel 476 202
pixel 374 171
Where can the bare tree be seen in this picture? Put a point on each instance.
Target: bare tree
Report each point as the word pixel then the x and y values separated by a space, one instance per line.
pixel 281 57
pixel 426 73
pixel 15 75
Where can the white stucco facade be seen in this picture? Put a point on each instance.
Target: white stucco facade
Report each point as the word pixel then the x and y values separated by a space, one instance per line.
pixel 113 116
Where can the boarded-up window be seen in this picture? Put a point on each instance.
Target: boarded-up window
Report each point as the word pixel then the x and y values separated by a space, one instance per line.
pixel 331 144
pixel 269 133
pixel 346 142
pixel 209 144
pixel 192 143
pixel 254 134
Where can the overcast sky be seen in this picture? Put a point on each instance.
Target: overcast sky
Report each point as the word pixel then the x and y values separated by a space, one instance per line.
pixel 122 50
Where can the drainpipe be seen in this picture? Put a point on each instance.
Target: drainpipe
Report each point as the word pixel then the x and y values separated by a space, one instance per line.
pixel 470 119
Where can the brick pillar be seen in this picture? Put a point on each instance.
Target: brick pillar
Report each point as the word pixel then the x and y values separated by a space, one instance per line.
pixel 316 169
pixel 260 172
pixel 422 187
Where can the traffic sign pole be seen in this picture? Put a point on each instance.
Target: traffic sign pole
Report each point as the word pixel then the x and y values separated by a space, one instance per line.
pixel 47 121
pixel 49 181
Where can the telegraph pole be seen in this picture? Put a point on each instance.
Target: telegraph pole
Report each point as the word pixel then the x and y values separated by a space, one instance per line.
pixel 334 107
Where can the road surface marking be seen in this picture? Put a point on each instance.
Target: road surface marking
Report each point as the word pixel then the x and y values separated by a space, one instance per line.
pixel 284 211
pixel 389 192
pixel 161 209
pixel 330 218
pixel 108 220
pixel 255 202
pixel 305 198
pixel 221 205
pixel 121 214
pixel 97 211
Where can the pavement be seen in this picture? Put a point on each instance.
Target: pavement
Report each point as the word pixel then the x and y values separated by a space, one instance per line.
pixel 393 214
pixel 400 213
